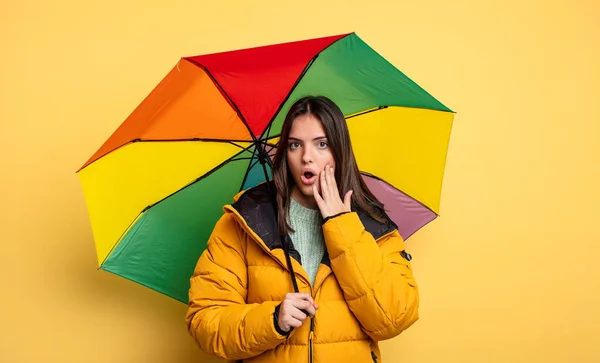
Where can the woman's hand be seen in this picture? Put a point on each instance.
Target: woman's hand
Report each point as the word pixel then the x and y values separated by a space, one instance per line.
pixel 293 309
pixel 329 200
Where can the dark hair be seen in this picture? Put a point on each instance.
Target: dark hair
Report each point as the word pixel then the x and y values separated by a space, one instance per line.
pixel 347 176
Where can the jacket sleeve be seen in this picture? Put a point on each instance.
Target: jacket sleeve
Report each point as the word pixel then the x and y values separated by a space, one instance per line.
pixel 377 281
pixel 218 318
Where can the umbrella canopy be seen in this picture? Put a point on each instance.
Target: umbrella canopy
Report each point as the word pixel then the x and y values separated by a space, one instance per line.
pixel 156 187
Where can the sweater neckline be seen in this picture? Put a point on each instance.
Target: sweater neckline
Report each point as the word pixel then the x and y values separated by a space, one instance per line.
pixel 298 211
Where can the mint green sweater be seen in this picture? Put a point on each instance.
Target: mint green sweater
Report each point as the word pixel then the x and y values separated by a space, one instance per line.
pixel 307 236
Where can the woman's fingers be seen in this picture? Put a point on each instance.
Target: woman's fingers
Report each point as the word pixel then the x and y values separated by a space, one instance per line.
pixel 323 184
pixel 331 183
pixel 294 323
pixel 348 200
pixel 318 197
pixel 297 314
pixel 306 306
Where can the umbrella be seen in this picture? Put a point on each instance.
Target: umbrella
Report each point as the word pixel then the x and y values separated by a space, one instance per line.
pixel 156 187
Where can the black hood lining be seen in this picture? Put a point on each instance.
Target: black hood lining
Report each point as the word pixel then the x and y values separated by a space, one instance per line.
pixel 258 209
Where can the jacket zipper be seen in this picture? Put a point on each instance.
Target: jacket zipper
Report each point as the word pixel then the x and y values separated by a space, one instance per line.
pixel 310 343
pixel 311 333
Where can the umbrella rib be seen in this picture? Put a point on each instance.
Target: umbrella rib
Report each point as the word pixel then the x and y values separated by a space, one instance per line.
pixel 228 141
pixel 367 111
pixel 240 159
pixel 205 175
pixel 125 231
pixel 204 139
pixel 250 166
pixel 270 144
pixel 378 108
pixel 253 164
pixel 234 144
pixel 309 64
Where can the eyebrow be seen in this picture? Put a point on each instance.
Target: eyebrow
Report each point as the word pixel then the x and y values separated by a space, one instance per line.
pixel 315 139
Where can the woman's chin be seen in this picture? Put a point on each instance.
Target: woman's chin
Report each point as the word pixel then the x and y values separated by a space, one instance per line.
pixel 306 190
pixel 304 194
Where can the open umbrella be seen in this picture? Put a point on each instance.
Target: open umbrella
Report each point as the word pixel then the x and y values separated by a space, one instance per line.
pixel 156 187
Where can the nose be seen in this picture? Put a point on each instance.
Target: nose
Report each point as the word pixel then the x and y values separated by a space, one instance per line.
pixel 307 154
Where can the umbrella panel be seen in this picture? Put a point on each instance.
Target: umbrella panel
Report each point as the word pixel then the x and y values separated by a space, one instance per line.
pixel 358 79
pixel 120 185
pixel 406 147
pixel 162 247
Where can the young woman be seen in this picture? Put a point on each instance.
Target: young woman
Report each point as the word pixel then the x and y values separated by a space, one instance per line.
pixel 307 267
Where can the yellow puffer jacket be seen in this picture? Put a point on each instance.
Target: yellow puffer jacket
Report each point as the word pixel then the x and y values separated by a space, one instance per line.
pixel 364 288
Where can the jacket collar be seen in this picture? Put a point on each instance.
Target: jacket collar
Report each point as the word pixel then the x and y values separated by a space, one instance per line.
pixel 256 206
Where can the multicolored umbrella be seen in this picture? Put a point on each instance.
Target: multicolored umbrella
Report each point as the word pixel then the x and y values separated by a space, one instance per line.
pixel 156 187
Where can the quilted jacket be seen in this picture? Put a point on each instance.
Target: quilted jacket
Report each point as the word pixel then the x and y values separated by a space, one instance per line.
pixel 364 288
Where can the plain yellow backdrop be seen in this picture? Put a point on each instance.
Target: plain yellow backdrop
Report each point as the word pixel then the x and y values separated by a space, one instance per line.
pixel 507 274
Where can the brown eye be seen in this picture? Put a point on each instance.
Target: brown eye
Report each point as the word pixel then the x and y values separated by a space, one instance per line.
pixel 294 145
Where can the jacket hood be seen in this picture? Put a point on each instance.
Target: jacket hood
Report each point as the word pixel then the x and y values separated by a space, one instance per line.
pixel 258 209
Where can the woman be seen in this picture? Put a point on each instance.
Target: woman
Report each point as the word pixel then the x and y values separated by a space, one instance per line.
pixel 307 267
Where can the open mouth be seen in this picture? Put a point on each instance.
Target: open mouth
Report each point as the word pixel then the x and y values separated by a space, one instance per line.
pixel 308 177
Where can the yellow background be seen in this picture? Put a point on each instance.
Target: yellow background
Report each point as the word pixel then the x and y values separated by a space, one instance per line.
pixel 507 274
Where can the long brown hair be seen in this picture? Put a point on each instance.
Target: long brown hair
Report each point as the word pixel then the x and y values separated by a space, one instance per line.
pixel 347 174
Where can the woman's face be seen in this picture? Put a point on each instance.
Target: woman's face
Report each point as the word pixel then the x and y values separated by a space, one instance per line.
pixel 308 153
